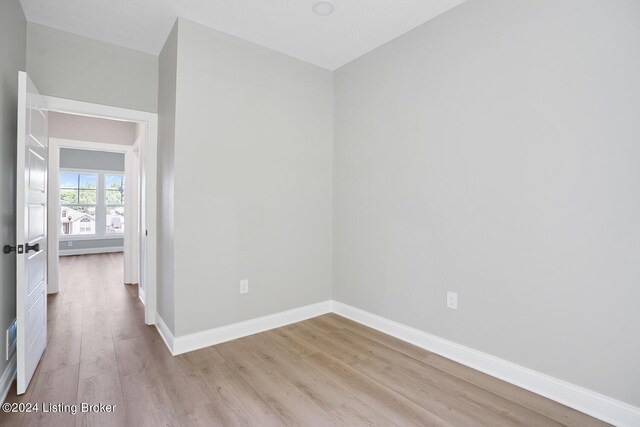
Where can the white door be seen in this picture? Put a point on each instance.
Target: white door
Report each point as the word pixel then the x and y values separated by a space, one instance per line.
pixel 31 234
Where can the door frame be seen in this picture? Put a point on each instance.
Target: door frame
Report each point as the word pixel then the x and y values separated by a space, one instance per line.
pixel 147 196
pixel 131 169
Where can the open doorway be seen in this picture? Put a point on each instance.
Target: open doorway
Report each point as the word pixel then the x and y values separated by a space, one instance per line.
pixel 81 200
pixel 95 190
pixel 102 165
pixel 94 200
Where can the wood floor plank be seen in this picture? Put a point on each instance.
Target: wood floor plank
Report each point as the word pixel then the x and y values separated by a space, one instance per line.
pixel 143 354
pixel 550 409
pixel 325 324
pixel 53 388
pixel 293 406
pixel 216 413
pixel 392 405
pixel 325 371
pixel 16 418
pixel 292 343
pixel 69 315
pixel 234 401
pixel 543 406
pixel 356 413
pixel 439 384
pixel 185 389
pixel 102 389
pixel 321 390
pixel 345 353
pixel 128 323
pixel 53 303
pixel 200 359
pixel 146 401
pixel 392 342
pixel 63 349
pixel 97 356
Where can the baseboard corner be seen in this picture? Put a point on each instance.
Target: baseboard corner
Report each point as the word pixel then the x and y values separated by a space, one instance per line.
pixel 198 340
pixel 165 333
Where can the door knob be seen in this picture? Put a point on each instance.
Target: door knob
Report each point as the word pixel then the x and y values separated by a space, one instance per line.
pixel 7 249
pixel 29 247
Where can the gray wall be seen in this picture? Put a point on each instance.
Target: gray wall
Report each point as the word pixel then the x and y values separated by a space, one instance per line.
pixel 69 66
pixel 65 249
pixel 253 149
pixel 165 183
pixel 13 30
pixel 494 152
pixel 71 158
pixel 93 129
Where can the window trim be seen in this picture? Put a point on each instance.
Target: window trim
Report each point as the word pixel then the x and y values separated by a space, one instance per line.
pixel 101 206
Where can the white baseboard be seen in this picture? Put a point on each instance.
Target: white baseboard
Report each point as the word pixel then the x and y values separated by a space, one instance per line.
pixel 8 376
pixel 222 334
pixel 597 405
pixel 165 333
pixel 87 251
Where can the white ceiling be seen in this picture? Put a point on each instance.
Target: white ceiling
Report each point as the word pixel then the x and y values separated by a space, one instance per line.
pixel 288 26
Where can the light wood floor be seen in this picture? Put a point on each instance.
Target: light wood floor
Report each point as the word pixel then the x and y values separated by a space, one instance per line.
pixel 321 372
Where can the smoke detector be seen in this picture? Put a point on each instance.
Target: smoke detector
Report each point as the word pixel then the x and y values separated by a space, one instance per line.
pixel 323 8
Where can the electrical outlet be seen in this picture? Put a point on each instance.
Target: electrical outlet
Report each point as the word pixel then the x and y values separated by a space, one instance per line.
pixel 69 243
pixel 244 286
pixel 452 300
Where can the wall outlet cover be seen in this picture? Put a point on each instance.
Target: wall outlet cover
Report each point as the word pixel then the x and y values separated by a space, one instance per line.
pixel 244 286
pixel 452 300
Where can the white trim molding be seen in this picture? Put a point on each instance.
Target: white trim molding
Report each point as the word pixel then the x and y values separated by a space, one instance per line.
pixel 8 376
pixel 234 331
pixel 141 294
pixel 147 169
pixel 86 251
pixel 597 405
pixel 198 340
pixel 165 333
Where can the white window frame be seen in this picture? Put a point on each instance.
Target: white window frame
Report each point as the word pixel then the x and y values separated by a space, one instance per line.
pixel 101 207
pixel 67 237
pixel 107 205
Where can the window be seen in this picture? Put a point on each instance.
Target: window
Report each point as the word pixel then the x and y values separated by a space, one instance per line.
pixel 114 203
pixel 78 201
pixel 91 204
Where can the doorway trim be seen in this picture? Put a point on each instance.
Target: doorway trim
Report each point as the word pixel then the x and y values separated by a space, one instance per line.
pixel 55 145
pixel 148 196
